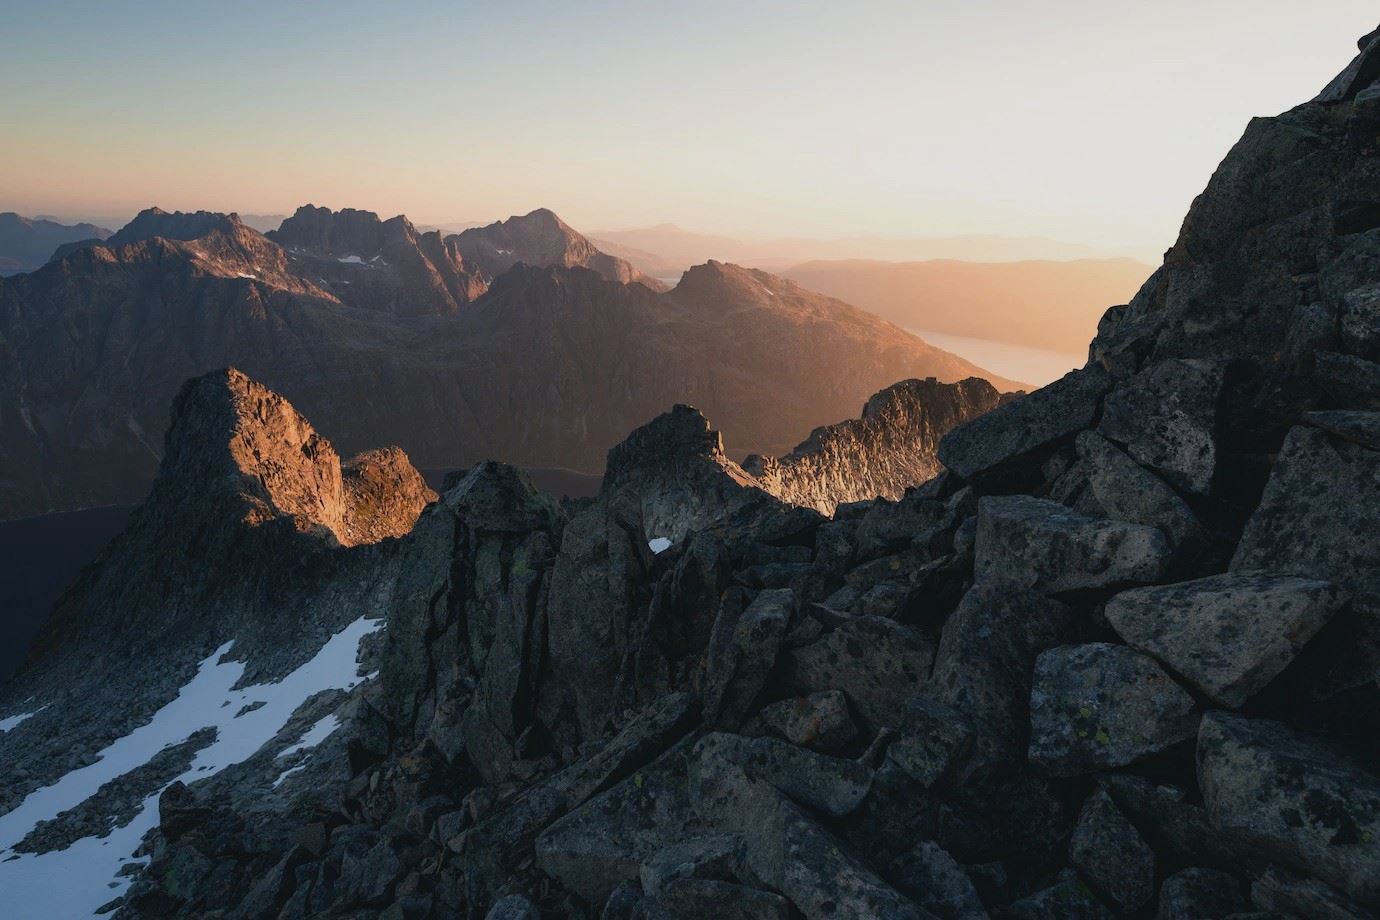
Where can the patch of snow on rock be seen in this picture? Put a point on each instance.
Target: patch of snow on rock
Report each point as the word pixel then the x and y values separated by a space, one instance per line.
pixel 76 881
pixel 351 260
pixel 13 721
pixel 658 544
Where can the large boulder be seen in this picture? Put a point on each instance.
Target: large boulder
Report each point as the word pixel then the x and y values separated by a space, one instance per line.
pixel 742 652
pixel 605 841
pixel 1099 705
pixel 1111 854
pixel 1043 545
pixel 1002 440
pixel 1129 492
pixel 1167 417
pixel 1314 805
pixel 876 662
pixel 1319 514
pixel 786 849
pixel 984 662
pixel 1228 635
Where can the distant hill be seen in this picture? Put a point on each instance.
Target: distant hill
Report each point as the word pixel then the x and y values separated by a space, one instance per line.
pixel 1052 305
pixel 26 243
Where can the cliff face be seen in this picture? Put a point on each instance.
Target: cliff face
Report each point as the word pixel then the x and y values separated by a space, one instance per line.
pixel 890 448
pixel 379 265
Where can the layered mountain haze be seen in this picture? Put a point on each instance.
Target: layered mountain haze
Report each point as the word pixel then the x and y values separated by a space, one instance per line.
pixel 666 249
pixel 1049 305
pixel 392 336
pixel 26 243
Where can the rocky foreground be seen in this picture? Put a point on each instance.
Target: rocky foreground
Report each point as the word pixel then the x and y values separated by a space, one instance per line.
pixel 1121 659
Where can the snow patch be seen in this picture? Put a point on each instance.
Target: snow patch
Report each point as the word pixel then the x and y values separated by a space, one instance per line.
pixel 314 736
pixel 13 721
pixel 658 545
pixel 76 881
pixel 351 260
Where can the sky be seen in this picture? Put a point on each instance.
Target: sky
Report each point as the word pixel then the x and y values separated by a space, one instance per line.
pixel 1086 121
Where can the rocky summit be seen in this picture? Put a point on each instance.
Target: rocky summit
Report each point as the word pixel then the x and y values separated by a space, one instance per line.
pixel 1120 658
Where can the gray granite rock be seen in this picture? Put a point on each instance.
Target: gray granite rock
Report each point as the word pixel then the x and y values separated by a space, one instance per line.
pixel 1228 635
pixel 1110 853
pixel 1043 545
pixel 1314 805
pixel 820 721
pixel 1097 706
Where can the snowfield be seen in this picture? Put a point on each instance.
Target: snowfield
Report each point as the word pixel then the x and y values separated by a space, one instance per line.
pixel 76 881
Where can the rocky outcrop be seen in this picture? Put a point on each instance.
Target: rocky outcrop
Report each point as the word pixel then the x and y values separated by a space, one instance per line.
pixel 888 449
pixel 677 469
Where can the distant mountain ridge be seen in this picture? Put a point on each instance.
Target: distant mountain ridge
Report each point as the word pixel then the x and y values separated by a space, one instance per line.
pixel 408 341
pixel 26 243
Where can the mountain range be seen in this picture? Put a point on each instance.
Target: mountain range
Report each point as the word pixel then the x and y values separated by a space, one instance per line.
pixel 518 340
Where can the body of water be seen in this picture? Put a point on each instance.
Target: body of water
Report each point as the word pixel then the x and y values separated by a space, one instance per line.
pixel 1035 366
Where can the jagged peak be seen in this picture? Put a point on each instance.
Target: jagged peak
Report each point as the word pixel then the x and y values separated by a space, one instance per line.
pixel 155 222
pixel 234 441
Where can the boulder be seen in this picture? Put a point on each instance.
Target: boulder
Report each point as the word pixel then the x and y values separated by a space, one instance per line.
pixel 1097 706
pixel 826 784
pixel 1358 427
pixel 820 721
pixel 606 840
pixel 784 847
pixel 984 663
pixel 1068 899
pixel 1043 545
pixel 1110 853
pixel 1228 635
pixel 1353 382
pixel 1127 491
pixel 714 856
pixel 1291 894
pixel 936 882
pixel 513 907
pixel 877 663
pixel 982 448
pixel 931 737
pixel 1318 516
pixel 700 897
pixel 1312 804
pixel 1166 416
pixel 1200 894
pixel 742 652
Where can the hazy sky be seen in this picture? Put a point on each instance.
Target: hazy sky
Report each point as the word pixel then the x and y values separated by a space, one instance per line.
pixel 1092 121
